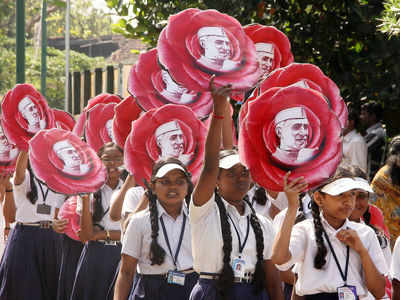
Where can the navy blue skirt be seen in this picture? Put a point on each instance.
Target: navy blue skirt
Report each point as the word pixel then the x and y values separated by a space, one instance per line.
pixel 71 251
pixel 206 289
pixel 287 291
pixel 95 271
pixel 156 287
pixel 30 265
pixel 324 296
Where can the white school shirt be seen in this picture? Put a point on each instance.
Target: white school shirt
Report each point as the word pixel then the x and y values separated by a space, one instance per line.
pixel 303 248
pixel 260 209
pixel 355 150
pixel 281 201
pixel 207 237
pixel 395 264
pixel 26 211
pixel 137 239
pixel 131 200
pixel 106 195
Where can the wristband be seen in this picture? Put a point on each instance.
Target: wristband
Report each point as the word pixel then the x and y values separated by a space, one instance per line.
pixel 9 191
pixel 218 117
pixel 108 238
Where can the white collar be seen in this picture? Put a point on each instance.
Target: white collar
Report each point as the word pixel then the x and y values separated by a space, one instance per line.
pixel 329 229
pixel 232 209
pixel 162 211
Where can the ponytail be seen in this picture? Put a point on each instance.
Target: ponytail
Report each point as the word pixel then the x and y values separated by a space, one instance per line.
pixel 98 209
pixel 157 253
pixel 32 195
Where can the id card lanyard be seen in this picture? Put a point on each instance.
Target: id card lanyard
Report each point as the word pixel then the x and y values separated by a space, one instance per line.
pixel 346 268
pixel 43 208
pixel 241 246
pixel 174 257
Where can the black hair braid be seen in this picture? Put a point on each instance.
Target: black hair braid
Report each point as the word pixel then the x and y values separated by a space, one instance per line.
pixel 157 253
pixel 320 257
pixel 98 209
pixel 225 280
pixel 32 195
pixel 189 193
pixel 259 273
pixel 259 196
pixel 383 242
pixel 301 216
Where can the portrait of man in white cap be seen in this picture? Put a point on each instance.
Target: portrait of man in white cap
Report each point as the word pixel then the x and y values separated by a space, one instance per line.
pixel 217 49
pixel 7 151
pixel 292 129
pixel 31 114
pixel 70 156
pixel 173 92
pixel 265 57
pixel 170 141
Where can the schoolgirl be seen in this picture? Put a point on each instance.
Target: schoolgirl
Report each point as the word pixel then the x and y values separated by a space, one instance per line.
pixel 31 261
pixel 101 253
pixel 231 243
pixel 158 241
pixel 336 258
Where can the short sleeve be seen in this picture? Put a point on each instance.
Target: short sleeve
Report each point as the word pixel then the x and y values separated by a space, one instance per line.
pixel 281 201
pixel 297 245
pixel 196 213
pixel 132 199
pixel 376 253
pixel 133 238
pixel 59 199
pixel 395 264
pixel 22 189
pixel 278 220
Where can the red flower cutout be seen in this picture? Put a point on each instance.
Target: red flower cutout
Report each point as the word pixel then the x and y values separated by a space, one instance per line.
pixel 272 47
pixel 290 129
pixel 25 112
pixel 65 163
pixel 102 98
pixel 125 113
pixel 169 131
pixel 154 87
pixel 8 154
pixel 64 120
pixel 99 127
pixel 68 211
pixel 199 43
pixel 310 76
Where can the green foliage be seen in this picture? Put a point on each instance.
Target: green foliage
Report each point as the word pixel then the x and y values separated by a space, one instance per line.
pixel 391 18
pixel 340 37
pixel 55 80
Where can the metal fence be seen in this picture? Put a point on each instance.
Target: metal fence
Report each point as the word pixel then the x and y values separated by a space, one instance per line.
pixel 89 83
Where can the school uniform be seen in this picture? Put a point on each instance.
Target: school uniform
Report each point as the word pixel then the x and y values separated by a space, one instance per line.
pixel 208 254
pixel 99 259
pixel 323 283
pixel 30 265
pixel 153 279
pixel 132 200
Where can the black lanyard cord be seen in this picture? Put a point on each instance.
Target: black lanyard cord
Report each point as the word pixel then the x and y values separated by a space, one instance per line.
pixel 344 275
pixel 241 246
pixel 44 195
pixel 174 257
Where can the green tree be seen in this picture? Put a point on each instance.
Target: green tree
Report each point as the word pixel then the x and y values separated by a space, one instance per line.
pixel 340 37
pixel 391 18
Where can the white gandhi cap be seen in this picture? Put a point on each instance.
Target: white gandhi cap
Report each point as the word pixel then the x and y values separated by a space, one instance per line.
pixel 61 145
pixel 167 127
pixel 24 102
pixel 206 31
pixel 265 47
pixel 290 113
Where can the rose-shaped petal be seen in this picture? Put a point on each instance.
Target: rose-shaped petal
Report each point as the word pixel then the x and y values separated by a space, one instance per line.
pixel 154 87
pixel 102 98
pixel 68 211
pixel 8 154
pixel 125 113
pixel 25 112
pixel 272 47
pixel 64 120
pixel 169 131
pixel 290 129
pixel 199 43
pixel 99 127
pixel 65 163
pixel 308 75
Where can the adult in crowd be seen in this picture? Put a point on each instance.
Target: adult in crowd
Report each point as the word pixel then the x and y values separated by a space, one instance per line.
pixel 355 150
pixel 375 135
pixel 386 185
